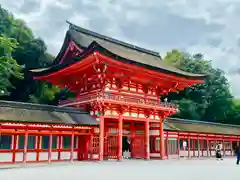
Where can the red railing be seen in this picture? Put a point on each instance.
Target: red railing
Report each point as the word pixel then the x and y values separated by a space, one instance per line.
pixel 121 98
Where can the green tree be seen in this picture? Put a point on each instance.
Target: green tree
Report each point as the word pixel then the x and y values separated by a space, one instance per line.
pixel 211 101
pixel 234 115
pixel 8 65
pixel 30 53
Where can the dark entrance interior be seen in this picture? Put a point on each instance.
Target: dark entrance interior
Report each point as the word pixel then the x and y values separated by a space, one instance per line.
pixel 126 146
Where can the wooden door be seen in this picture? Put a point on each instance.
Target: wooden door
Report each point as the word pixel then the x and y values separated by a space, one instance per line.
pixel 138 147
pixel 83 147
pixel 111 147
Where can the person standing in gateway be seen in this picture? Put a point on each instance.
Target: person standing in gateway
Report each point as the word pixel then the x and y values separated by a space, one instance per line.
pixel 184 147
pixel 218 151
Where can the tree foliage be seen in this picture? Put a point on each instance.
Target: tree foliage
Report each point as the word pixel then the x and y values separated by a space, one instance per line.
pixel 8 65
pixel 26 51
pixel 211 101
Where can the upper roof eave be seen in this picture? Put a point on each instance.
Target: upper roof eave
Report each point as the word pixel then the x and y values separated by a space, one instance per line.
pixel 117 50
pixel 104 51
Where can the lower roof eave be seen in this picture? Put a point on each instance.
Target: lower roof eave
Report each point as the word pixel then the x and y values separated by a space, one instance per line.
pixel 8 123
pixel 17 112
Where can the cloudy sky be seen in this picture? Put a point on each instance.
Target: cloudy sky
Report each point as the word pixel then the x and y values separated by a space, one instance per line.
pixel 206 26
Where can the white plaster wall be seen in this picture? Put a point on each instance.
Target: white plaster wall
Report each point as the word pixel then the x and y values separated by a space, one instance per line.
pixel 5 157
pixel 212 153
pixel 31 156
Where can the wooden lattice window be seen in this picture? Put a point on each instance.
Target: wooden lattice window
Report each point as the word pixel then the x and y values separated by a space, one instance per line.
pixel 95 144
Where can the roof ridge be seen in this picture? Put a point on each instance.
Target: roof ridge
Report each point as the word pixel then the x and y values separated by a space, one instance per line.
pixel 203 122
pixel 112 40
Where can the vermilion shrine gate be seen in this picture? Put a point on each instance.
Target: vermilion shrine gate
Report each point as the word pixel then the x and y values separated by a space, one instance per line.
pixel 119 89
pixel 120 85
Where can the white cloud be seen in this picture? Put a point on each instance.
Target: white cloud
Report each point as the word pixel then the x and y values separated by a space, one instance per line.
pixel 208 27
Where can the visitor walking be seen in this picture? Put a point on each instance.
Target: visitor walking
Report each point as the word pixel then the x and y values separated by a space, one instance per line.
pixel 238 154
pixel 218 152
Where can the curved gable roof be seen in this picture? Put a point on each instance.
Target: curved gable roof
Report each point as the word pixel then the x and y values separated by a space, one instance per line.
pixel 140 56
pixel 90 41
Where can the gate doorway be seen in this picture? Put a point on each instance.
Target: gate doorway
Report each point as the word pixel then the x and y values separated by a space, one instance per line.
pixel 83 147
pixel 126 147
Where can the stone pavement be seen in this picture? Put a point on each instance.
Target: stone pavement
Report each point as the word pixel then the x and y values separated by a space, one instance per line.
pixel 192 169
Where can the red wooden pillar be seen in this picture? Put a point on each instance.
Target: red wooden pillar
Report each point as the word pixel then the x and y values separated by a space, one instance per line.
pixel 106 141
pixel 147 140
pixel 161 134
pixel 101 138
pixel 202 147
pixel 178 145
pixel 223 146
pixel 189 144
pixel 231 146
pixel 193 147
pixel 132 129
pixel 72 146
pixel 50 148
pixel 91 143
pixel 207 146
pixel 87 147
pixel 120 133
pixel 38 141
pixel 60 145
pixel 166 153
pixel 14 148
pixel 25 147
pixel 198 141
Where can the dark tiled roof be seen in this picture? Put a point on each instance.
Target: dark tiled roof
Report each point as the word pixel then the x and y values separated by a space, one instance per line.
pixel 28 112
pixel 116 49
pixel 176 124
pixel 136 54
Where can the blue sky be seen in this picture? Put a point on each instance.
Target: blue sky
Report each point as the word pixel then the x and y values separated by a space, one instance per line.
pixel 207 26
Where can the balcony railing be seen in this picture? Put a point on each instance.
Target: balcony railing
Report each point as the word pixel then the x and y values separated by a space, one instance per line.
pixel 121 99
pixel 135 100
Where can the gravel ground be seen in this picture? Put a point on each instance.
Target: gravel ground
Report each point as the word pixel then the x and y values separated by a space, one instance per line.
pixel 193 169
